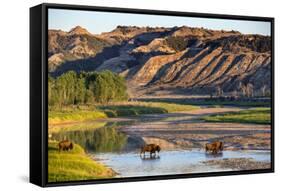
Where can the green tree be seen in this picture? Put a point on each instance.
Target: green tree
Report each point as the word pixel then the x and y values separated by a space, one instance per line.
pixel 80 91
pixel 51 86
pixel 73 89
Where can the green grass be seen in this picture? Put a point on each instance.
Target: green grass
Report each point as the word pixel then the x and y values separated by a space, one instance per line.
pixel 71 114
pixel 256 115
pixel 171 107
pixel 73 165
pixel 127 110
pixel 57 117
pixel 76 127
pixel 139 108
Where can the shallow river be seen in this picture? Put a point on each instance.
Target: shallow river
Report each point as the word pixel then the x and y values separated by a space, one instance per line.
pixel 116 143
pixel 171 162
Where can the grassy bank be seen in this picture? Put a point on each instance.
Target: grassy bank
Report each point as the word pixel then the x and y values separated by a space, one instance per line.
pixel 256 115
pixel 75 126
pixel 139 108
pixel 68 115
pixel 74 165
pixel 58 117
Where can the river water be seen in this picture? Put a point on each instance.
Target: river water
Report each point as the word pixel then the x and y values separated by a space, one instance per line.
pixel 172 162
pixel 116 143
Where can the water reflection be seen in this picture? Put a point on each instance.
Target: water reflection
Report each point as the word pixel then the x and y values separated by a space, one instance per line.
pixel 105 139
pixel 172 162
pixel 152 157
pixel 212 155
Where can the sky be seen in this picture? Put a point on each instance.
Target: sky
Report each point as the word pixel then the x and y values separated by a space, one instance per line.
pixel 98 22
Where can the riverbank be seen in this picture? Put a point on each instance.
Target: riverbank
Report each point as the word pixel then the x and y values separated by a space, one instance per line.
pixel 239 164
pixel 120 109
pixel 253 115
pixel 74 165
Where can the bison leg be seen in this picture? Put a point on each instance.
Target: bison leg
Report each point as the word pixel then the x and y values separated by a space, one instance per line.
pixel 215 151
pixel 141 152
pixel 221 147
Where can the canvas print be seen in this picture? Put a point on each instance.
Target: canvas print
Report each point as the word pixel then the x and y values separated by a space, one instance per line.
pixel 140 95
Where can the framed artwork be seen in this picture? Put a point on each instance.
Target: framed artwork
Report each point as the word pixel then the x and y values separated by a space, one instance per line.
pixel 130 95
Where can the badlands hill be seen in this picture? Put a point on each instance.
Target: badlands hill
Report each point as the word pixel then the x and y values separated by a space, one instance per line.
pixel 178 59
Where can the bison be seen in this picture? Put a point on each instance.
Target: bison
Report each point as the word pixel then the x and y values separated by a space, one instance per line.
pixel 214 147
pixel 151 148
pixel 65 145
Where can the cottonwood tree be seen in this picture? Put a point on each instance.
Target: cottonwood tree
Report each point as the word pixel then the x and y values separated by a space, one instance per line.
pixel 219 91
pixel 250 90
pixel 263 90
pixel 243 89
pixel 73 89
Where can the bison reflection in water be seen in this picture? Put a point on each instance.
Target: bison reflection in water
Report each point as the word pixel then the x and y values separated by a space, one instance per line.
pixel 212 155
pixel 152 149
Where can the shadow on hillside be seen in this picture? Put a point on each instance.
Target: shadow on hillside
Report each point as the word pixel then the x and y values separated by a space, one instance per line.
pixel 219 101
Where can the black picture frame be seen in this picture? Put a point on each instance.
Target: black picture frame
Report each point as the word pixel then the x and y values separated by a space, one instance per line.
pixel 39 102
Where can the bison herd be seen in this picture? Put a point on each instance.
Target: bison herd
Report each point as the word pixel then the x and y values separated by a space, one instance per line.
pixel 153 149
pixel 212 148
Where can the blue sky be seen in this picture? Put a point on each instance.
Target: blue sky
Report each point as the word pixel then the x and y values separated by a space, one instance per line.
pixel 97 22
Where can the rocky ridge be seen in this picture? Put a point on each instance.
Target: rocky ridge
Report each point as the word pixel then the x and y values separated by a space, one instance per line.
pixel 195 60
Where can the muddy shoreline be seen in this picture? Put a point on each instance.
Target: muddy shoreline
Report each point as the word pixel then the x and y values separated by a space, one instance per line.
pixel 186 130
pixel 239 164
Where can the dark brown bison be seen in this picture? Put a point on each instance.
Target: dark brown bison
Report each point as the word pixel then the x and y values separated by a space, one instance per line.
pixel 151 148
pixel 214 147
pixel 65 145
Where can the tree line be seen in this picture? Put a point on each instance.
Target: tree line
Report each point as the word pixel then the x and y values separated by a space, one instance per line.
pixel 72 88
pixel 245 90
